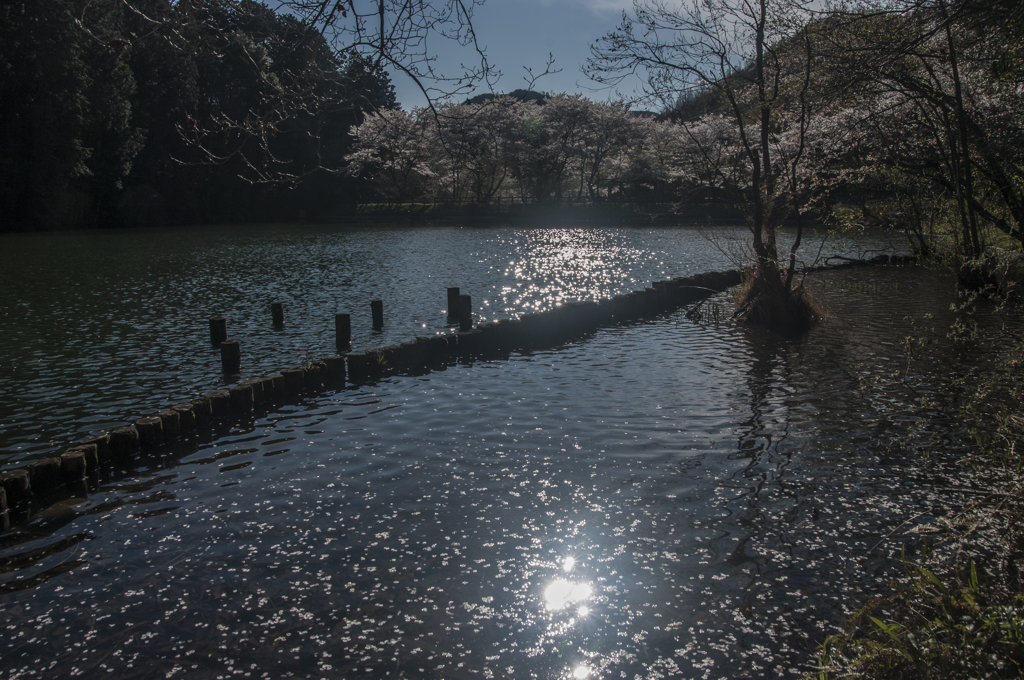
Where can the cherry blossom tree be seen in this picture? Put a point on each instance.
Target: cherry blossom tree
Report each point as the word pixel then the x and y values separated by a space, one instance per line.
pixel 394 148
pixel 552 138
pixel 610 133
pixel 476 146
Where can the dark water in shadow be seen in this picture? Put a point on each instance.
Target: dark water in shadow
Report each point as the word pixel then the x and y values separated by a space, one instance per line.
pixel 660 500
pixel 102 328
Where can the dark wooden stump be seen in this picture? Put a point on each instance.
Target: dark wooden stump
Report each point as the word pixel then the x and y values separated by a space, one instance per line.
pixel 241 398
pixel 220 404
pixel 102 444
pixel 218 330
pixel 343 331
pixel 231 357
pixel 257 392
pixel 469 344
pixel 72 466
pixel 277 312
pixel 266 391
pixel 203 412
pixel 170 420
pixel 375 363
pixel 358 367
pixel 335 369
pixel 377 309
pixel 428 353
pixel 151 432
pixel 124 442
pixel 16 484
pixel 453 302
pixel 465 313
pixel 44 475
pixel 413 359
pixel 92 461
pixel 316 371
pixel 294 380
pixel 186 417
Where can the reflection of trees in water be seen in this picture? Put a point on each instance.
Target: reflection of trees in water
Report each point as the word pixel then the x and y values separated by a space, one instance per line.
pixel 765 428
pixel 804 535
pixel 759 440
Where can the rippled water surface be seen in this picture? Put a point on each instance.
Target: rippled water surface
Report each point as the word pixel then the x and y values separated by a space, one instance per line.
pixel 659 500
pixel 102 328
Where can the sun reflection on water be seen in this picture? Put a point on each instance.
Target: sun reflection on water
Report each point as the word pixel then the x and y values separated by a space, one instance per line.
pixel 562 592
pixel 581 673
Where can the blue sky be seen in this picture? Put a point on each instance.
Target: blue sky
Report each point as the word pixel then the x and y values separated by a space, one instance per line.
pixel 518 33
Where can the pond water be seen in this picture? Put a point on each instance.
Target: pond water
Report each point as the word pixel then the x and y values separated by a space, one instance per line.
pixel 659 500
pixel 101 328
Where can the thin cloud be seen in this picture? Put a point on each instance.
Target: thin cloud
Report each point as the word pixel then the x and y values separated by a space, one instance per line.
pixel 607 6
pixel 599 7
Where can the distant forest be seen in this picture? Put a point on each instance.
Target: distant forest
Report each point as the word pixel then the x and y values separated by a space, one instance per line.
pixel 110 118
pixel 151 112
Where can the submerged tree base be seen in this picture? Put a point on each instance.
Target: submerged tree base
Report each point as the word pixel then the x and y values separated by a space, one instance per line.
pixel 766 301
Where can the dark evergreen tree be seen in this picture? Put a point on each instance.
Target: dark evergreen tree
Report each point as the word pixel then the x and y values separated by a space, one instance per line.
pixel 153 112
pixel 67 140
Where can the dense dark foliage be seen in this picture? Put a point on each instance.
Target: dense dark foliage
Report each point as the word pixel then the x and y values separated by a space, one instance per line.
pixel 159 112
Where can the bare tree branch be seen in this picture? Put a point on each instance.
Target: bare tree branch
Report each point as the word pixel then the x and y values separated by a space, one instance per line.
pixel 531 82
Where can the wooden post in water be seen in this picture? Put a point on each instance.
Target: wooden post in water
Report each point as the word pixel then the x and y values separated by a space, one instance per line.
pixel 294 380
pixel 465 312
pixel 220 404
pixel 257 391
pixel 124 441
pixel 102 444
pixel 335 369
pixel 343 330
pixel 377 307
pixel 44 475
pixel 203 412
pixel 72 466
pixel 453 302
pixel 151 432
pixel 186 417
pixel 240 398
pixel 277 311
pixel 231 357
pixel 218 330
pixel 170 420
pixel 91 454
pixel 15 483
pixel 358 367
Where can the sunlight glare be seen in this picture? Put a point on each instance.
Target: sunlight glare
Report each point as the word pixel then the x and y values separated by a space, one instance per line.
pixel 561 593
